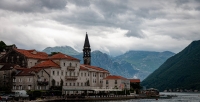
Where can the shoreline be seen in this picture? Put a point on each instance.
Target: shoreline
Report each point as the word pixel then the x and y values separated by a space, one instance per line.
pixel 100 98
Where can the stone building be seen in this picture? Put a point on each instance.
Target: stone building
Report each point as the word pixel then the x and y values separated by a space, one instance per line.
pixel 23 58
pixel 7 72
pixel 116 82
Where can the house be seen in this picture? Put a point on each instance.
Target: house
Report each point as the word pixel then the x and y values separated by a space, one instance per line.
pixel 31 79
pixel 7 72
pixel 116 82
pixel 23 58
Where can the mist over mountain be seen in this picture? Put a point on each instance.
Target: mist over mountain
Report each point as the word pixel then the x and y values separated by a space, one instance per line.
pixel 64 49
pixel 132 64
pixel 181 71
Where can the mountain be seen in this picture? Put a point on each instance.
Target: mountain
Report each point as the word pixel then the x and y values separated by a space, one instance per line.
pixel 181 71
pixel 144 61
pixel 64 49
pixel 137 64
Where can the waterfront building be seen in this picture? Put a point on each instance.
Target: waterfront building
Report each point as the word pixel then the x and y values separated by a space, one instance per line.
pixel 116 82
pixel 33 70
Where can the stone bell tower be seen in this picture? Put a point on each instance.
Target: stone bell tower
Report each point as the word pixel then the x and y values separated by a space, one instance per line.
pixel 86 51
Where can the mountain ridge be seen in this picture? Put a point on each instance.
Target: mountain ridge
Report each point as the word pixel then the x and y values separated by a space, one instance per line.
pixel 183 69
pixel 137 64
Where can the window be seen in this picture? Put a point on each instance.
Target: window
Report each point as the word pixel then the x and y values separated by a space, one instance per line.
pixel 4 76
pixel 69 84
pixel 29 87
pixel 85 74
pixel 66 84
pixel 106 81
pixel 57 72
pixel 70 64
pixel 14 80
pixel 81 84
pixel 88 74
pixel 20 87
pixel 53 72
pixel 6 59
pixel 62 73
pixel 63 64
pixel 28 79
pixel 17 58
pixel 20 80
pixel 81 74
pixel 14 87
pixel 115 81
pixel 74 84
pixel 77 83
pixel 42 73
pixel 12 58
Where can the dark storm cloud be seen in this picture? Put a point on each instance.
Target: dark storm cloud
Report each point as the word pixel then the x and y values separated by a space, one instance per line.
pixel 32 5
pixel 140 24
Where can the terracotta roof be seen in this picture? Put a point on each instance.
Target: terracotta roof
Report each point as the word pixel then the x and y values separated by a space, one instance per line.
pixel 46 64
pixel 32 54
pixel 134 80
pixel 115 77
pixel 27 71
pixel 63 56
pixel 83 68
pixel 94 67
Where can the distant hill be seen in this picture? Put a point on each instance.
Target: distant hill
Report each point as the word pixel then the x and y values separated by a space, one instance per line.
pixel 138 64
pixel 64 49
pixel 181 71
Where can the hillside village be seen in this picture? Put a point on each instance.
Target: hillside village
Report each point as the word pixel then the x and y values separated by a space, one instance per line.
pixel 31 70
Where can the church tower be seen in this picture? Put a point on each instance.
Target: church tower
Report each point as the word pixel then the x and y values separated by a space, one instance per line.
pixel 86 51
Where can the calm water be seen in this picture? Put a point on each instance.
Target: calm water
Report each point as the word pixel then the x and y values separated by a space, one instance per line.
pixel 181 97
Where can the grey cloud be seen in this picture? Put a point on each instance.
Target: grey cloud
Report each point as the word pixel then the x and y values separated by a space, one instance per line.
pixel 32 5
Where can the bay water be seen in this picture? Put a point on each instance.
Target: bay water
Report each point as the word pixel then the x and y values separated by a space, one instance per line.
pixel 179 97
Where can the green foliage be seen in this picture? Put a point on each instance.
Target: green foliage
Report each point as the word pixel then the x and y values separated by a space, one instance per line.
pixel 180 71
pixel 2 46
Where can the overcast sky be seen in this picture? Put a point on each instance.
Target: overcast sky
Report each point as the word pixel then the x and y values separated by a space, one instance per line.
pixel 113 26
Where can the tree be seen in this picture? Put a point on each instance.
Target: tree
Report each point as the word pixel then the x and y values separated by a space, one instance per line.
pixel 2 46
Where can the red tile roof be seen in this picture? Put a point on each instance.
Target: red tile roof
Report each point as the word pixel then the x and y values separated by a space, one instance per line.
pixel 94 67
pixel 134 80
pixel 26 72
pixel 63 56
pixel 115 77
pixel 32 54
pixel 46 64
pixel 83 68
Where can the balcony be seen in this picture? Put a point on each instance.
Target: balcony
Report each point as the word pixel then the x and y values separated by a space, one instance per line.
pixel 71 78
pixel 42 83
pixel 71 68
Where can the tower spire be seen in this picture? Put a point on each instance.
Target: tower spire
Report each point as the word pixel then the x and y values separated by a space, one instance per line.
pixel 87 43
pixel 86 51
